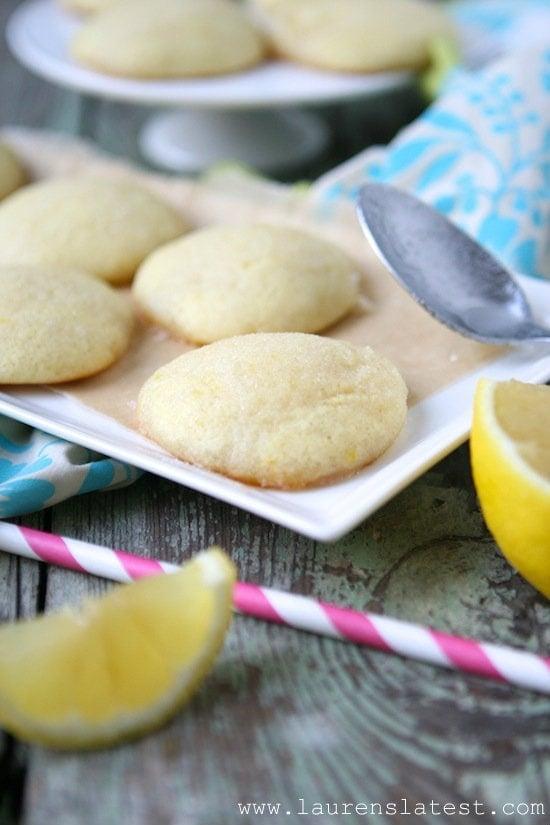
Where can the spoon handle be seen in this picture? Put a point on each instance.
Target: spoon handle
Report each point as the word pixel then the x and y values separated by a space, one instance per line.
pixel 540 335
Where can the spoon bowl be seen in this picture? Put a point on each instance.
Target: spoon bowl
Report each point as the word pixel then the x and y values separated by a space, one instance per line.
pixel 447 272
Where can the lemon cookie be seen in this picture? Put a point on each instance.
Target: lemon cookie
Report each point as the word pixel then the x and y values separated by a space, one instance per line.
pixel 169 38
pixel 106 227
pixel 12 174
pixel 227 280
pixel 58 325
pixel 353 35
pixel 275 409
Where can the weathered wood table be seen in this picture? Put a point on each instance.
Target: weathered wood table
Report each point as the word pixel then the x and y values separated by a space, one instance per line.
pixel 286 717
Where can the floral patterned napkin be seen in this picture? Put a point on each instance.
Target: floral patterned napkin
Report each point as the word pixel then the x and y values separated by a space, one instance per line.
pixel 481 152
pixel 38 470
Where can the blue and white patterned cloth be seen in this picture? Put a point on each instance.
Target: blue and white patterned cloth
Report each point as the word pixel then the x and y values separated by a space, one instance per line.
pixel 494 27
pixel 480 154
pixel 38 470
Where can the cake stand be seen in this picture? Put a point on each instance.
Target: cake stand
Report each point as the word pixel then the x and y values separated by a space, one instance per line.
pixel 249 117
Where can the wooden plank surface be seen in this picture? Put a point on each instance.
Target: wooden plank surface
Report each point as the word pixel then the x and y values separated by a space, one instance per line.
pixel 284 715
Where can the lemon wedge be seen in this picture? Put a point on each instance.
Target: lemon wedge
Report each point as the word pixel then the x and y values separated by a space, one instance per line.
pixel 510 452
pixel 120 665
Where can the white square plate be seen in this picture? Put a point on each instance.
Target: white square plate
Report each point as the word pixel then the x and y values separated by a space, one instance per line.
pixel 434 427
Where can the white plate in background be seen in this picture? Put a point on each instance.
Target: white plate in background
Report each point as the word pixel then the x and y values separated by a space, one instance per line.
pixel 39 33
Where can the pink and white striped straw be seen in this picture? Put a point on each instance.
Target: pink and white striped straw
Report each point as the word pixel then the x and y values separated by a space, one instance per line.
pixel 504 664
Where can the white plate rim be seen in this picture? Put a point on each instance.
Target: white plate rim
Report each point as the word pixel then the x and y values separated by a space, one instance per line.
pixel 326 513
pixel 214 93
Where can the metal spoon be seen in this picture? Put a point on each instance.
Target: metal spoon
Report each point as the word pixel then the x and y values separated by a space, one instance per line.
pixel 447 272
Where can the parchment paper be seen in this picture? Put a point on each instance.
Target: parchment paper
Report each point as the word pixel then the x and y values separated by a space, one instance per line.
pixel 428 354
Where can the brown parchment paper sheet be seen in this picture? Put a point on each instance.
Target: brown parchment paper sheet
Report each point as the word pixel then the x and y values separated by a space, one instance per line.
pixel 428 354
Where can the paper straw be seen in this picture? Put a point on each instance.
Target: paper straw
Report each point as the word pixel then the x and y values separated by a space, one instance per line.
pixel 504 664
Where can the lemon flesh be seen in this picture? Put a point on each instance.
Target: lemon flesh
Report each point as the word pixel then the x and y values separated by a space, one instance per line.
pixel 120 665
pixel 510 452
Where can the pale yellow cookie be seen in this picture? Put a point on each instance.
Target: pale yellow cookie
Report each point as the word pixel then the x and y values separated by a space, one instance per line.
pixel 353 35
pixel 58 325
pixel 12 173
pixel 228 280
pixel 276 409
pixel 106 227
pixel 169 38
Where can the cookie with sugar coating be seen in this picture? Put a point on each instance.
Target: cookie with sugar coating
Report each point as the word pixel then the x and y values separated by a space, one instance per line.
pixel 228 280
pixel 353 35
pixel 282 410
pixel 12 173
pixel 169 39
pixel 104 226
pixel 59 325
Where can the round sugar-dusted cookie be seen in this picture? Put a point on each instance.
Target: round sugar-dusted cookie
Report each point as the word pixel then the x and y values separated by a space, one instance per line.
pixel 12 173
pixel 228 280
pixel 169 38
pixel 58 325
pixel 353 35
pixel 275 409
pixel 106 227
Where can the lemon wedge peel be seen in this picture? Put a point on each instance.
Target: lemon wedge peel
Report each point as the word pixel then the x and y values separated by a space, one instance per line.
pixel 514 497
pixel 213 572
